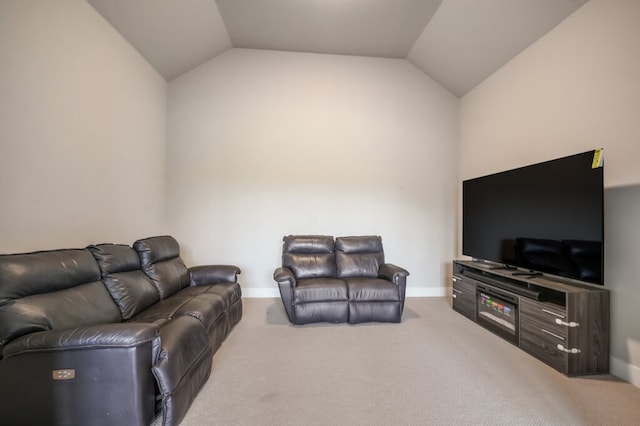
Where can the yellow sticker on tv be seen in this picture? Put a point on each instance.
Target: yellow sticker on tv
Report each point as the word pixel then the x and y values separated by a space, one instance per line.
pixel 598 159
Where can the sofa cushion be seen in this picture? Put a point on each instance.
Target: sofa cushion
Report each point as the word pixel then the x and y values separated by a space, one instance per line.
pixel 184 365
pixel 51 290
pixel 160 260
pixel 85 304
pixel 359 256
pixel 229 293
pixel 130 288
pixel 309 256
pixel 206 308
pixel 163 310
pixel 45 271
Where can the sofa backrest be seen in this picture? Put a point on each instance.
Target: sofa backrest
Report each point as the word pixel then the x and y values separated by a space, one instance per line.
pixel 309 256
pixel 130 288
pixel 359 256
pixel 160 260
pixel 51 290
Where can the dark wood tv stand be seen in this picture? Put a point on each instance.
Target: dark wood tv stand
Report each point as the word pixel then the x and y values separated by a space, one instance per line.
pixel 565 325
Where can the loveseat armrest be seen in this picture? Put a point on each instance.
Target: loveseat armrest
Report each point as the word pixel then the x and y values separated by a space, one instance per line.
pixel 393 273
pixel 286 284
pixel 284 275
pixel 103 335
pixel 212 274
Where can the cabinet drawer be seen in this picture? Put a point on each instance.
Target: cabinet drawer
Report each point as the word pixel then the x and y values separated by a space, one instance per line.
pixel 464 297
pixel 543 332
pixel 553 318
pixel 543 343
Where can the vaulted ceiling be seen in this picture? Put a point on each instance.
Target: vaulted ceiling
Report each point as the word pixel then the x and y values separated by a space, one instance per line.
pixel 459 43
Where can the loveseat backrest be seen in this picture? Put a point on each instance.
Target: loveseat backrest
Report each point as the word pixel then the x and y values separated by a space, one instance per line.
pixel 160 260
pixel 359 256
pixel 130 288
pixel 51 290
pixel 309 256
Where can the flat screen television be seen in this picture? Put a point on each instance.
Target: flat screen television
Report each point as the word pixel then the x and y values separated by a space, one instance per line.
pixel 544 218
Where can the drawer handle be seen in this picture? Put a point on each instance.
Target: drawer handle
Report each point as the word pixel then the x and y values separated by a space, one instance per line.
pixel 567 350
pixel 568 324
pixel 557 336
pixel 457 291
pixel 552 313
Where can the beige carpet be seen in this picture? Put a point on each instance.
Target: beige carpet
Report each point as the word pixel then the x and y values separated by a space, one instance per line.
pixel 434 368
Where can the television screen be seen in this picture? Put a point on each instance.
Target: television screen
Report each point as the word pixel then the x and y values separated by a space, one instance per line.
pixel 546 217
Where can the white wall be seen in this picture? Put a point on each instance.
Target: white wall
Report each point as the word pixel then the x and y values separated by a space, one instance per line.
pixel 82 130
pixel 575 89
pixel 263 144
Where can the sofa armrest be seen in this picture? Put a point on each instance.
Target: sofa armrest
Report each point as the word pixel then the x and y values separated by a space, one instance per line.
pixel 99 374
pixel 393 273
pixel 103 335
pixel 284 276
pixel 212 274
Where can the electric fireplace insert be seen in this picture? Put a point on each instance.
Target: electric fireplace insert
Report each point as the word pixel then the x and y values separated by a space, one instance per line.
pixel 498 312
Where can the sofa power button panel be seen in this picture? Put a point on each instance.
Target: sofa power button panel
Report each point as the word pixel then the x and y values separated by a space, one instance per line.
pixel 66 374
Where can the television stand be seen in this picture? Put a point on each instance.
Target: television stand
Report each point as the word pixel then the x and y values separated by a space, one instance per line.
pixel 565 325
pixel 503 267
pixel 529 274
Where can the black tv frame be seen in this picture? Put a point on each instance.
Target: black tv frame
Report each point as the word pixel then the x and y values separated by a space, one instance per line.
pixel 544 218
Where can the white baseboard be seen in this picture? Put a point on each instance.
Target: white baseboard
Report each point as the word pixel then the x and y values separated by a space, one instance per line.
pixel 627 372
pixel 428 291
pixel 269 292
pixel 264 292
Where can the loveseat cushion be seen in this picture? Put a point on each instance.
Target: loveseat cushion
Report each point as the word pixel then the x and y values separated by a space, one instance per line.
pixel 129 287
pixel 335 312
pixel 320 290
pixel 359 256
pixel 372 290
pixel 309 256
pixel 160 260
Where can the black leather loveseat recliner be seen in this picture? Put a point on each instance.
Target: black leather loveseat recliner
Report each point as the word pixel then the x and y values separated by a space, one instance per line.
pixel 346 280
pixel 109 334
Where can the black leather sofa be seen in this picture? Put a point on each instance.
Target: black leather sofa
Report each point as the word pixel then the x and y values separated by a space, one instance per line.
pixel 109 334
pixel 341 280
